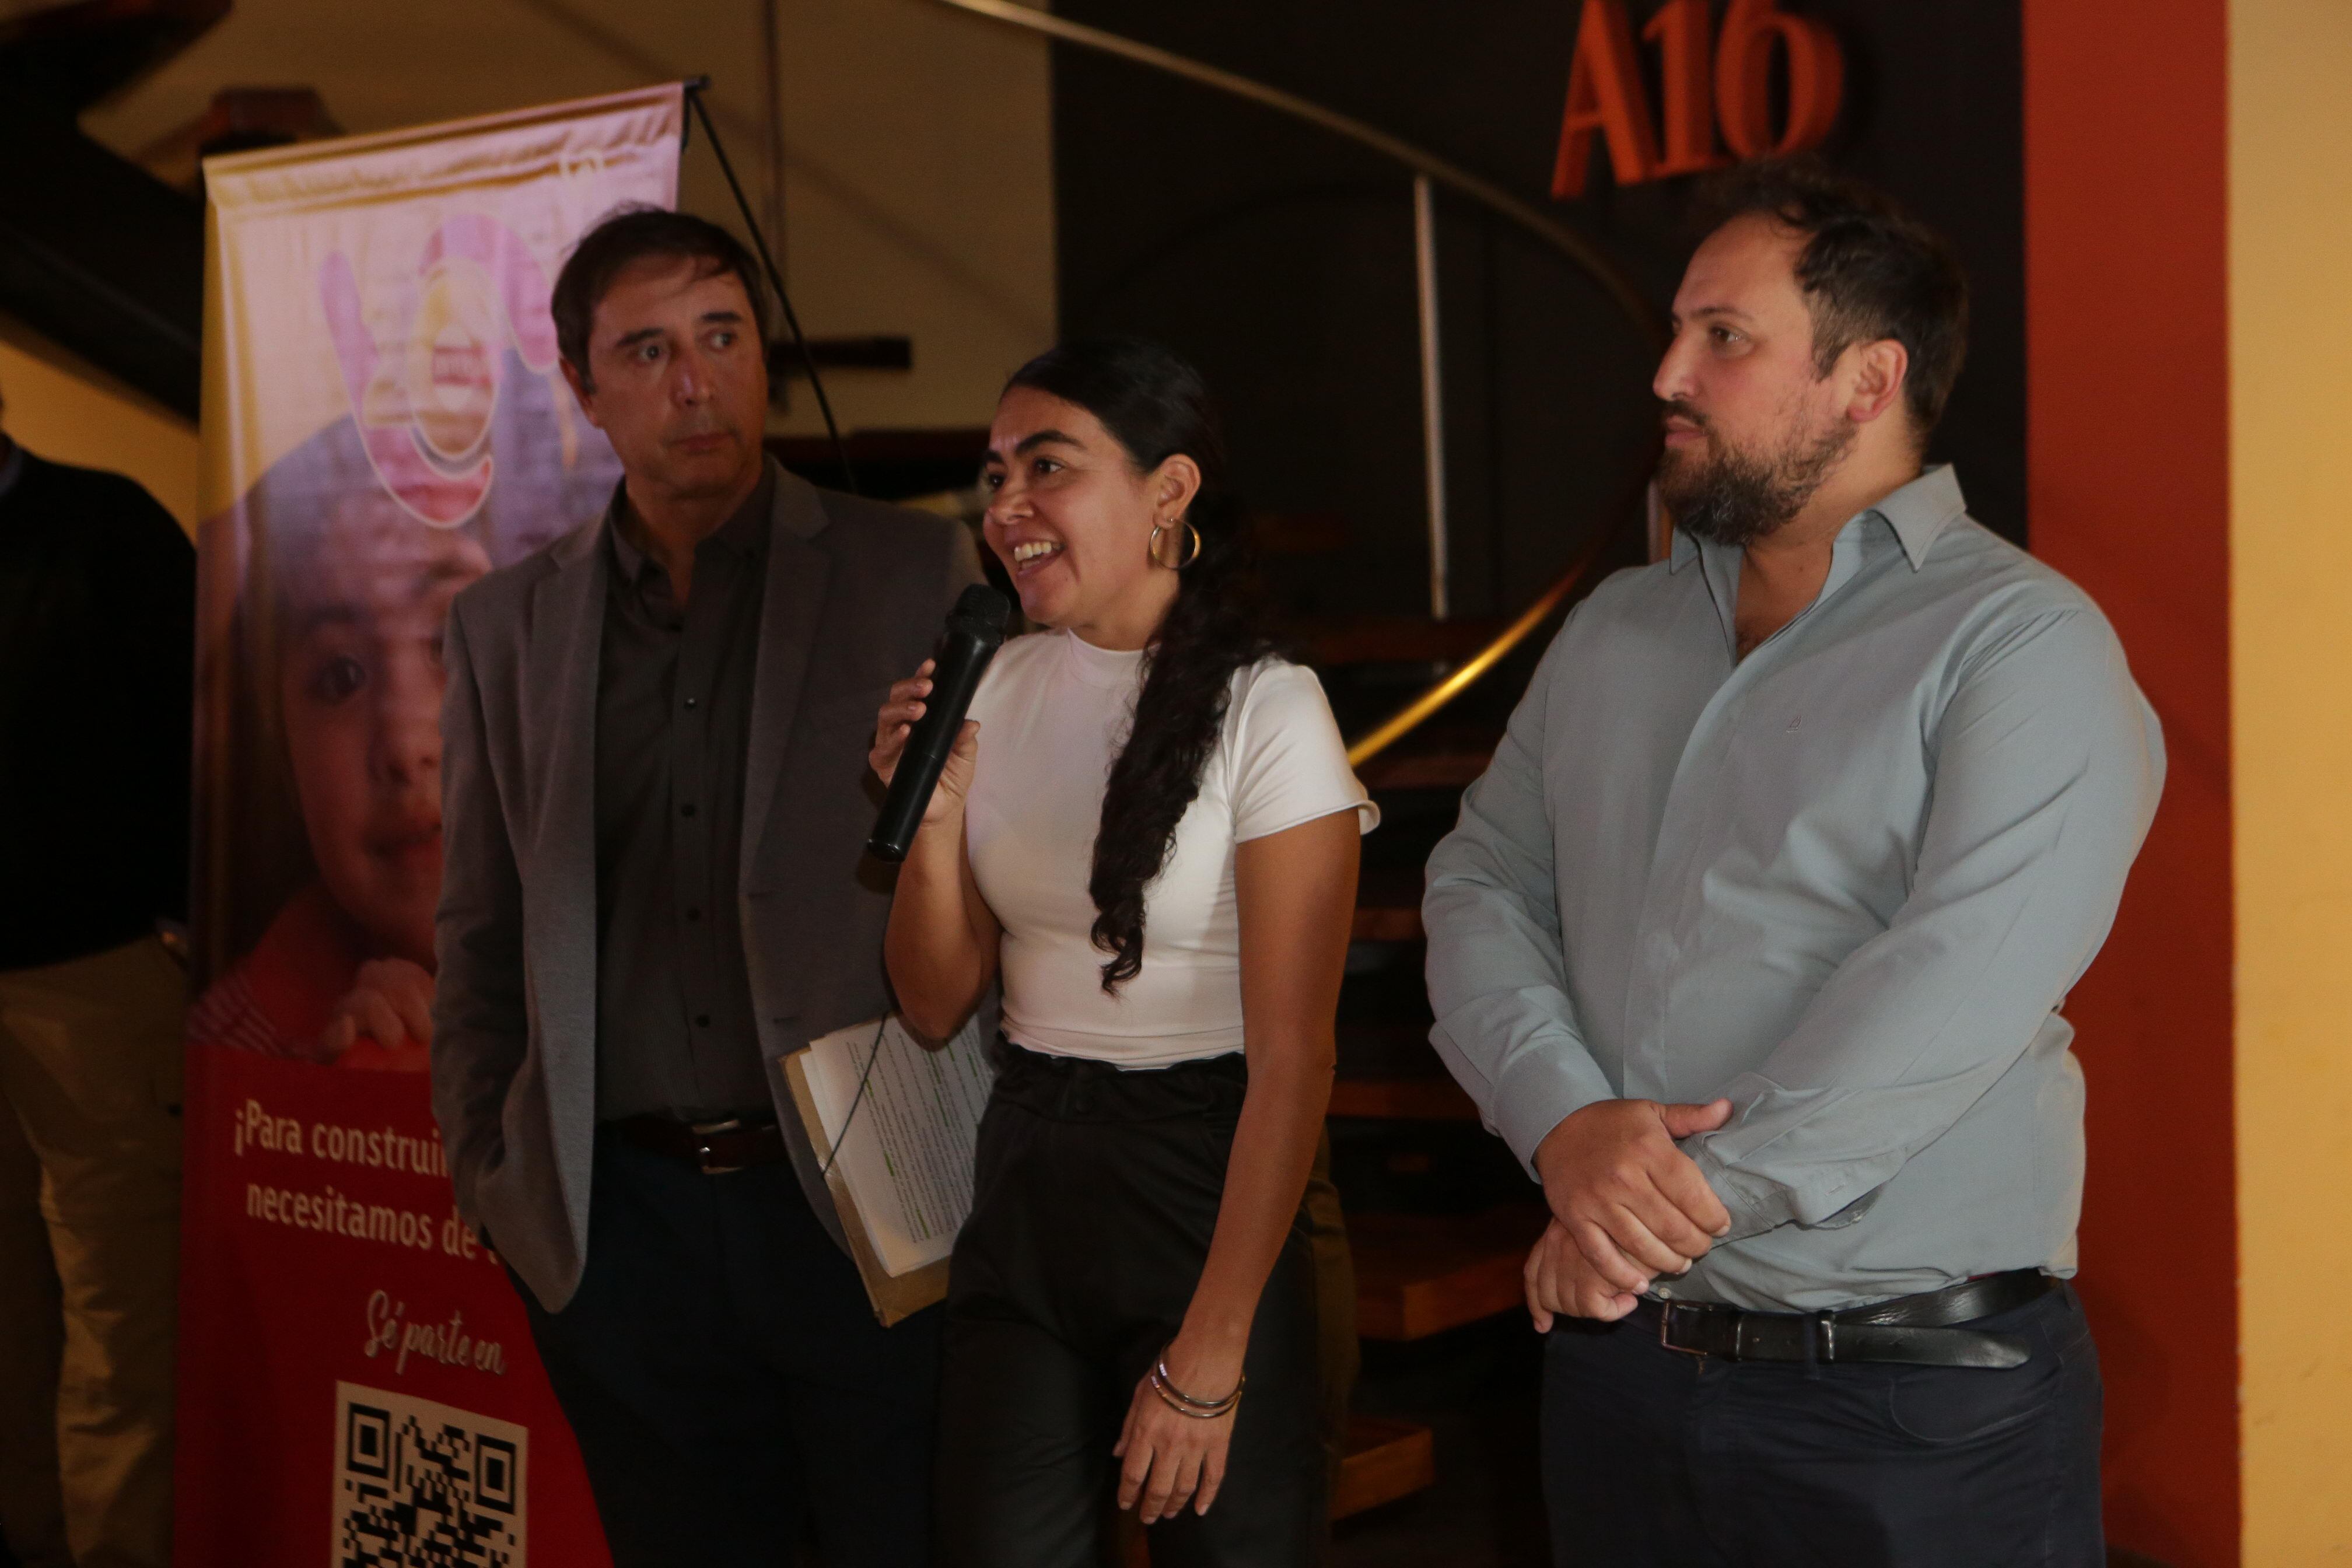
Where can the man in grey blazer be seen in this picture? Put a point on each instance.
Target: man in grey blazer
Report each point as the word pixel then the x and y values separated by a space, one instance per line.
pixel 654 814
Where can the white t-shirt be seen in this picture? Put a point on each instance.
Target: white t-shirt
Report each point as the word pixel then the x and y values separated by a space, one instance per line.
pixel 1053 711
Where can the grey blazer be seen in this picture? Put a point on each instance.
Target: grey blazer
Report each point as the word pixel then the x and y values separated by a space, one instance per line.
pixel 855 595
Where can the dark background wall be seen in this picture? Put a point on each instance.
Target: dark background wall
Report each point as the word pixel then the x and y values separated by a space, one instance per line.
pixel 1281 259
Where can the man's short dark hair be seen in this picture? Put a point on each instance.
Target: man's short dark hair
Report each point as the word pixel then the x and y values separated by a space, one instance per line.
pixel 630 236
pixel 1868 270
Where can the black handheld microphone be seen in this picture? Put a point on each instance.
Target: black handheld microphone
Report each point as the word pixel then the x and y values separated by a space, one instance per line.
pixel 975 631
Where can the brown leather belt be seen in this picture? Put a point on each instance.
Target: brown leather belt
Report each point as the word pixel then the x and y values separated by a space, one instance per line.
pixel 1927 1329
pixel 714 1148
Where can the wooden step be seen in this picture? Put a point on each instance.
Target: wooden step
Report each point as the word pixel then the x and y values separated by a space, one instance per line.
pixel 1403 1099
pixel 1384 1460
pixel 1299 533
pixel 1390 922
pixel 1388 904
pixel 1418 1275
pixel 1396 639
pixel 1390 1045
pixel 1450 768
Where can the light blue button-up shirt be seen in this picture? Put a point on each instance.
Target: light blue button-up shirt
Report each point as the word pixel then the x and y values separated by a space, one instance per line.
pixel 1845 883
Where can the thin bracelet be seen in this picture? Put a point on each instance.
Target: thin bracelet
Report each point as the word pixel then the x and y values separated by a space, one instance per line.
pixel 1162 1368
pixel 1170 1399
pixel 1160 1381
pixel 1167 1384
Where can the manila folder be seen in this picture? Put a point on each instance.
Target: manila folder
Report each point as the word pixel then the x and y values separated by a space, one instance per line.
pixel 895 1122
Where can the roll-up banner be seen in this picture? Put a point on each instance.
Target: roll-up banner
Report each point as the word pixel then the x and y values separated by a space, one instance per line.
pixel 384 421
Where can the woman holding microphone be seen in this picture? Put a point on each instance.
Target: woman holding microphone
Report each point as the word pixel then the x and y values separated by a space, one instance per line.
pixel 1147 832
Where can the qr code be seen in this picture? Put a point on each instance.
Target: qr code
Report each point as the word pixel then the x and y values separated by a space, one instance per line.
pixel 420 1484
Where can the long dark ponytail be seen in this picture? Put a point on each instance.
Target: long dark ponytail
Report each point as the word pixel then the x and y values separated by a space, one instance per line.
pixel 1156 406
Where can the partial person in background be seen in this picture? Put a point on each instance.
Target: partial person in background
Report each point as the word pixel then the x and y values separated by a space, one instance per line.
pixel 1753 940
pixel 654 889
pixel 1149 832
pixel 96 651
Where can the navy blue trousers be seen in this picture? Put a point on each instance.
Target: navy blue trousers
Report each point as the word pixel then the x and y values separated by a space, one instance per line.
pixel 728 1385
pixel 1650 1455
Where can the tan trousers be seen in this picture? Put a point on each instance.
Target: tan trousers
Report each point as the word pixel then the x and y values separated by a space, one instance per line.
pixel 90 1227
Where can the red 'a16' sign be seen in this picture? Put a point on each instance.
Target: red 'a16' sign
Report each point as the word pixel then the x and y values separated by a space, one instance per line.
pixel 1728 85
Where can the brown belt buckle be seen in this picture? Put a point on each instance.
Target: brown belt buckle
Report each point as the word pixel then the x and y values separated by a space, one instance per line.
pixel 703 1130
pixel 1666 1312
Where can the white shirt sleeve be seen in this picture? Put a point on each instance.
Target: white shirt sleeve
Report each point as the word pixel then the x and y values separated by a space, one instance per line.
pixel 1290 765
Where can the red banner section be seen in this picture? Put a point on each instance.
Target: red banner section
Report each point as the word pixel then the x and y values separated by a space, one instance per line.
pixel 384 423
pixel 358 1387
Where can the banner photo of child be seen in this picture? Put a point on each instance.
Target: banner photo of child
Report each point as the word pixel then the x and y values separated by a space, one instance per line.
pixel 322 753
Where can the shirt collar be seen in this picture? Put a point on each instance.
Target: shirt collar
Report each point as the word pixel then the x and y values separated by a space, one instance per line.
pixel 1682 552
pixel 745 533
pixel 1922 510
pixel 1918 513
pixel 12 467
pixel 627 557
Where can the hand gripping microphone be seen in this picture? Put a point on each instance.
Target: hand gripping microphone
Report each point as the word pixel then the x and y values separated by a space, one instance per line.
pixel 975 631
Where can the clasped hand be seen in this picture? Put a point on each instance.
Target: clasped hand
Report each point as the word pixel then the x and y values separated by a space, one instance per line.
pixel 1627 1205
pixel 896 721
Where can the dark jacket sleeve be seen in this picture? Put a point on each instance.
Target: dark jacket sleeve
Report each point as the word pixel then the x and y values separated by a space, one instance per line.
pixel 964 569
pixel 480 1024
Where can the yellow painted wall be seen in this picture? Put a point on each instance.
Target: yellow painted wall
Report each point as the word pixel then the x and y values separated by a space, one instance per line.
pixel 61 407
pixel 2291 687
pixel 918 148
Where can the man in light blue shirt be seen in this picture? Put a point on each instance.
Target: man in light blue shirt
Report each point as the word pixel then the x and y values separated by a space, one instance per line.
pixel 1752 941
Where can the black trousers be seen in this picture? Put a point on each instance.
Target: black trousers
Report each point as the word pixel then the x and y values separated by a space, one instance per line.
pixel 728 1382
pixel 1096 1193
pixel 1650 1455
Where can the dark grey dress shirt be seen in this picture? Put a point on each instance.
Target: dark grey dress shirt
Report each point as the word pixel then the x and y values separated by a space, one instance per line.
pixel 675 1031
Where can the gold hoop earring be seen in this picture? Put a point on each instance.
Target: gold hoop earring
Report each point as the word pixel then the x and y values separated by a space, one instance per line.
pixel 1191 533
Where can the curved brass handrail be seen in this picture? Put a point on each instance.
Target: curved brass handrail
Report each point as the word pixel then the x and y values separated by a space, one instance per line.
pixel 1486 193
pixel 1570 244
pixel 1406 718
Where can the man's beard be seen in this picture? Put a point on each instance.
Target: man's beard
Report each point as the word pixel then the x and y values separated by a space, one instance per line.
pixel 1735 498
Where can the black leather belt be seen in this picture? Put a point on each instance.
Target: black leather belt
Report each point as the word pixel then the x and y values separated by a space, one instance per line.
pixel 714 1148
pixel 1917 1331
